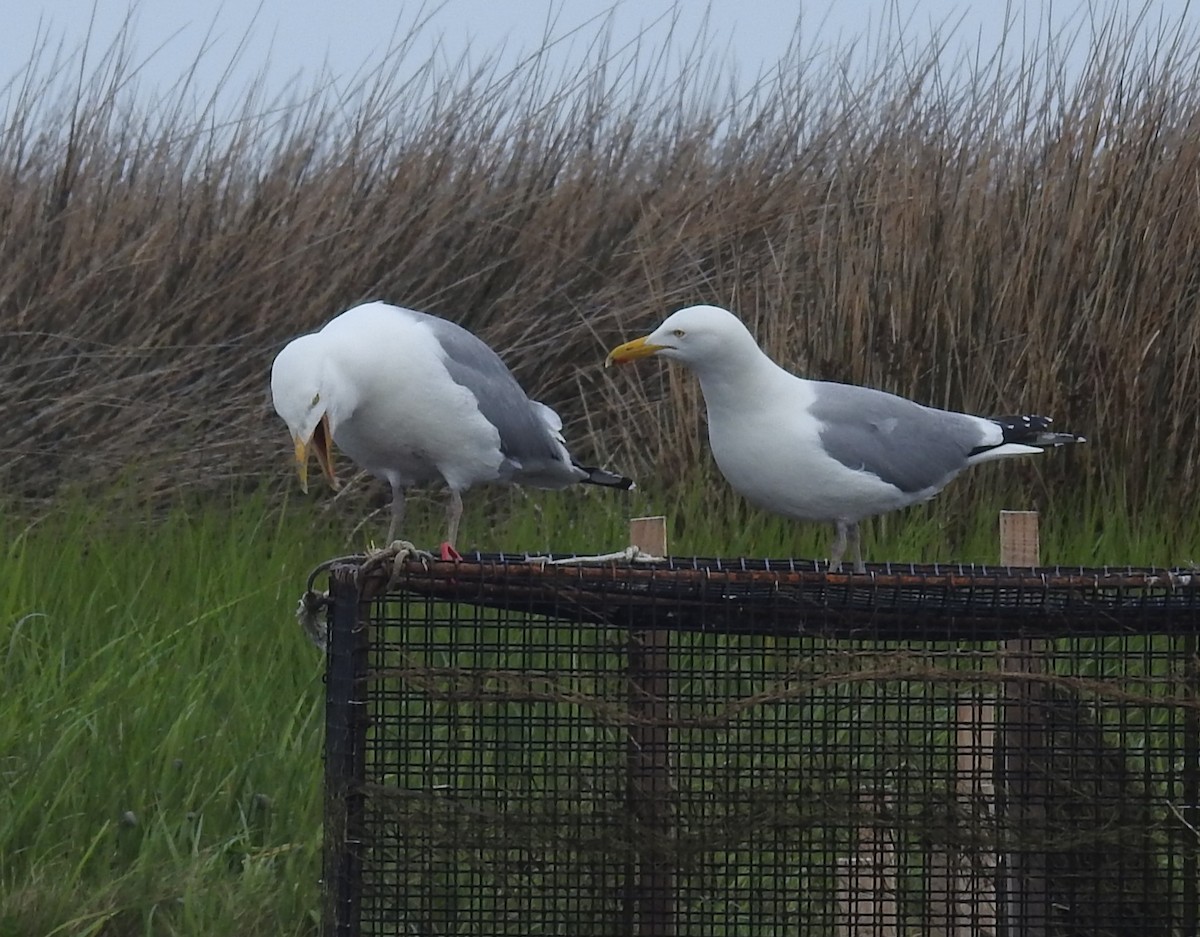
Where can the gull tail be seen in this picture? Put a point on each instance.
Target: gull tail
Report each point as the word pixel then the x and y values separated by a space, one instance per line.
pixel 598 476
pixel 1023 435
pixel 1029 429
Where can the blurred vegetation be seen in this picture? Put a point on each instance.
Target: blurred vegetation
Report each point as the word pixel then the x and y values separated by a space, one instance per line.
pixel 997 239
pixel 992 239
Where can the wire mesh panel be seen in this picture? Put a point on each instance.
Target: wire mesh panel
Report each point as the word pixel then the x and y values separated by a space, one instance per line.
pixel 754 749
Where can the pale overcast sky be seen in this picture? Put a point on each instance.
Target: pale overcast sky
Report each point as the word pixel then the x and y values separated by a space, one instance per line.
pixel 306 40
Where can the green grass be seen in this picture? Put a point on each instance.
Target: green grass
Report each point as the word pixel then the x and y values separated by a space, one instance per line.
pixel 161 726
pixel 160 739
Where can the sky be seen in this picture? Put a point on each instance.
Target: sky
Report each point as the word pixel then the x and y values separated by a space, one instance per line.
pixel 298 44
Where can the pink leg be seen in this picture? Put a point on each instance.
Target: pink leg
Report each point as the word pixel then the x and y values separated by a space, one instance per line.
pixel 454 511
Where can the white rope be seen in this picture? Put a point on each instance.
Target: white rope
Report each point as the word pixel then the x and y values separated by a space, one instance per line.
pixel 631 554
pixel 311 609
pixel 398 552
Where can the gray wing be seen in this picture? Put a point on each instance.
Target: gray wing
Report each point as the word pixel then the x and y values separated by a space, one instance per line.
pixel 524 435
pixel 905 444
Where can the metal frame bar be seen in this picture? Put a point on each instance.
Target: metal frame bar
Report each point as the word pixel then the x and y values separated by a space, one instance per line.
pixel 345 741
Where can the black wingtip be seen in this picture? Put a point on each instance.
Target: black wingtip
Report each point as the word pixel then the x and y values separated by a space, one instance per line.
pixel 598 476
pixel 1033 430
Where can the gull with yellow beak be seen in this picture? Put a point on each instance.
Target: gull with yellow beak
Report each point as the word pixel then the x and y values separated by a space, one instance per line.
pixel 413 398
pixel 289 380
pixel 819 451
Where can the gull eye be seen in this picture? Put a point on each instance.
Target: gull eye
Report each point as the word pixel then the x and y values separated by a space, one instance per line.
pixel 316 400
pixel 679 333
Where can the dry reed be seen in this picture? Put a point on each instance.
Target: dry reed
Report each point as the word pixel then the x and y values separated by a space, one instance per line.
pixel 991 240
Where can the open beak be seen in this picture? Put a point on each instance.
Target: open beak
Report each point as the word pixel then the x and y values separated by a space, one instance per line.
pixel 631 351
pixel 321 444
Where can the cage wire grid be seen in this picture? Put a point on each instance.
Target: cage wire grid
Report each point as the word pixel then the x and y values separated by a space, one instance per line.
pixel 714 748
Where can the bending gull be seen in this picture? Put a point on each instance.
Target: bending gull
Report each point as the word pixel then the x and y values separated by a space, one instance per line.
pixel 819 451
pixel 413 398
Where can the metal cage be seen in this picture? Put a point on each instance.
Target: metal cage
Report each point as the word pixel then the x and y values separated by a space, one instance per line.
pixel 714 748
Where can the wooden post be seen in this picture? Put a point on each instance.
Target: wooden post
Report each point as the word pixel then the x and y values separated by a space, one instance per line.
pixel 971 903
pixel 1020 542
pixel 963 887
pixel 1024 882
pixel 650 878
pixel 649 534
pixel 868 878
pixel 961 879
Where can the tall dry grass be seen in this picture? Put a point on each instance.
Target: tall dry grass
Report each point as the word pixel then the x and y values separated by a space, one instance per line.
pixel 991 238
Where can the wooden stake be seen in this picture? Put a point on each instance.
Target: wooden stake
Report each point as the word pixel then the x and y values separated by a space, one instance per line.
pixel 867 879
pixel 1019 541
pixel 963 894
pixel 1024 795
pixel 649 534
pixel 650 886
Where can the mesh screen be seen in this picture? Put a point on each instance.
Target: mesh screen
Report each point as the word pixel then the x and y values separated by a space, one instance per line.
pixel 543 761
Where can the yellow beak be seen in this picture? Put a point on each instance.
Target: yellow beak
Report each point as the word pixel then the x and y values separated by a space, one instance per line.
pixel 631 351
pixel 322 447
pixel 301 462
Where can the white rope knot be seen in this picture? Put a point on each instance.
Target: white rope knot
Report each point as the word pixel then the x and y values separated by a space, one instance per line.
pixel 396 553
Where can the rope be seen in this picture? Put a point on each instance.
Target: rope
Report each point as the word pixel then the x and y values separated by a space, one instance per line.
pixel 631 554
pixel 310 611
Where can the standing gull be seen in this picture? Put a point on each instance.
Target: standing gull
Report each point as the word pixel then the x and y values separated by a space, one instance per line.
pixel 819 451
pixel 413 398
